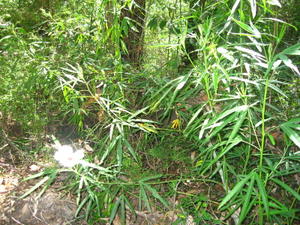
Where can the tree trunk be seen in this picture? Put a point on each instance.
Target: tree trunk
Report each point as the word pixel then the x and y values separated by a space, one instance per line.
pixel 133 22
pixel 196 7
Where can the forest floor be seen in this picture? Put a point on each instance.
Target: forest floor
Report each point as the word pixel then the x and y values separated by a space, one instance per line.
pixel 53 207
pixel 57 207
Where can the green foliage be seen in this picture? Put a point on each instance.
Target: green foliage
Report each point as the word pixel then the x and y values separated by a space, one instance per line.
pixel 216 118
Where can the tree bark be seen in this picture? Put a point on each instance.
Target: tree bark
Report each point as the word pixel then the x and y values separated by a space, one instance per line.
pixel 196 7
pixel 133 19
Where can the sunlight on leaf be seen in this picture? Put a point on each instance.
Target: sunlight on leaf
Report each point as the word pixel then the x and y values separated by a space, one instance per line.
pixel 274 2
pixel 289 63
pixel 289 129
pixel 253 7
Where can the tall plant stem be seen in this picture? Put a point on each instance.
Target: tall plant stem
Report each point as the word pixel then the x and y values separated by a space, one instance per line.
pixel 262 146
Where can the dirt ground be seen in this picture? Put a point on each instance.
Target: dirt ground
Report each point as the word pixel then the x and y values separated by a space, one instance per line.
pixel 52 208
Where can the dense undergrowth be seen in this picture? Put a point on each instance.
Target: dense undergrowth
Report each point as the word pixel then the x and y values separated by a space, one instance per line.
pixel 229 119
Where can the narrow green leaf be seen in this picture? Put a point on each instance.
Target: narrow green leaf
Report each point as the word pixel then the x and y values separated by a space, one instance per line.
pixel 122 210
pixel 292 122
pixel 119 153
pixel 101 170
pixel 247 28
pixel 163 89
pixel 257 56
pixel 114 210
pixel 292 134
pixel 109 148
pixel 234 7
pixel 155 105
pixel 88 209
pixel 237 126
pixel 292 50
pixel 155 194
pixel 219 127
pixel 144 198
pixel 263 194
pixel 36 186
pixel 246 202
pixel 287 188
pixel 272 139
pixel 195 115
pixel 277 89
pixel 51 179
pixel 5 37
pixel 80 186
pixel 234 142
pixel 141 111
pixel 151 178
pixel 288 62
pixel 180 84
pixel 237 188
pixel 227 113
pixel 81 204
pixel 253 7
pixel 40 174
pixel 129 205
pixel 130 149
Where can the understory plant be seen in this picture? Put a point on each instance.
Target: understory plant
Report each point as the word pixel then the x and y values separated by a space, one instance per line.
pixel 220 118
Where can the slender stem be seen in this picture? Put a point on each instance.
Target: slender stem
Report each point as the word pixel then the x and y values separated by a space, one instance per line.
pixel 263 134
